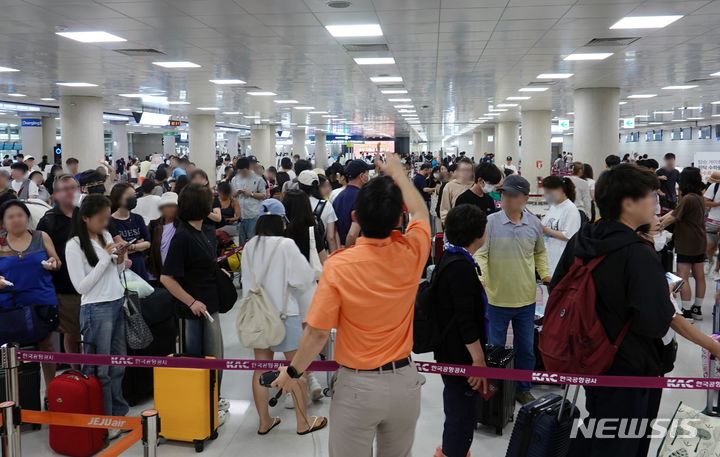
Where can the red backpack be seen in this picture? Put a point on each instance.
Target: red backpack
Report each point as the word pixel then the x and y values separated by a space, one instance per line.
pixel 573 339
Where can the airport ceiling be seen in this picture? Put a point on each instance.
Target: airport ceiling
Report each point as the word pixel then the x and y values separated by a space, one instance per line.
pixel 457 58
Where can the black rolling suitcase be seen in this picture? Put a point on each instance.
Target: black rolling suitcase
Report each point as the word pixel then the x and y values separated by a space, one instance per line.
pixel 542 427
pixel 499 409
pixel 138 382
pixel 29 380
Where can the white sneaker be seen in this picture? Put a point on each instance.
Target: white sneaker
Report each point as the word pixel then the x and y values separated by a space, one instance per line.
pixel 223 405
pixel 289 402
pixel 316 391
pixel 222 417
pixel 113 433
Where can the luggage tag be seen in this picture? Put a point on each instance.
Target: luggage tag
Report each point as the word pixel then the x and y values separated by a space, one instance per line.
pixel 492 389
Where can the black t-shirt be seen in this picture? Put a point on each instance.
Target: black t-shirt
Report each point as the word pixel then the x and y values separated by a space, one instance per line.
pixel 485 203
pixel 421 182
pixel 190 260
pixel 669 186
pixel 57 225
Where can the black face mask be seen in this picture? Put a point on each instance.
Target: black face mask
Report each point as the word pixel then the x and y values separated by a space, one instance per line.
pixel 97 189
pixel 131 203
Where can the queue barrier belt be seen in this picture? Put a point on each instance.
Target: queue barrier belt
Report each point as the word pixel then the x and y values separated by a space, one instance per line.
pixel 133 424
pixel 638 382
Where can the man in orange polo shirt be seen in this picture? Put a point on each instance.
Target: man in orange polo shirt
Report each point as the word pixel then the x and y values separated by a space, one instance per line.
pixel 367 292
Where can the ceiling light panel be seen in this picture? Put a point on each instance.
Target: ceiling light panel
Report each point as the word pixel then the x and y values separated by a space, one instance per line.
pixel 228 82
pixel 533 89
pixel 209 108
pixel 555 75
pixel 518 98
pixel 393 91
pixel 92 37
pixel 286 102
pixel 642 96
pixel 682 87
pixel 374 60
pixel 7 70
pixel 354 30
pixel 304 108
pixel 645 22
pixel 262 93
pixel 77 84
pixel 386 79
pixel 589 56
pixel 178 64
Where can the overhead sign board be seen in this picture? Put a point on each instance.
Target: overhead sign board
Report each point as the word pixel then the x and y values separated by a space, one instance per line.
pixel 175 123
pixel 31 123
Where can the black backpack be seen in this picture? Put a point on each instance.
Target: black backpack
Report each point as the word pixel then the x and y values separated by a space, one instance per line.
pixel 427 334
pixel 317 212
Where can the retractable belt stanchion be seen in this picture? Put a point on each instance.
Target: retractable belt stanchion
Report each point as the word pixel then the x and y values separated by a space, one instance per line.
pixel 150 432
pixel 10 429
pixel 10 364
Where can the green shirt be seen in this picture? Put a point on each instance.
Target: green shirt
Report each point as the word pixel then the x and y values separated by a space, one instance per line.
pixel 508 260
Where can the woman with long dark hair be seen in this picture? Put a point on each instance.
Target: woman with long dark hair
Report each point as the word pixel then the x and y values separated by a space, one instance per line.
pixel 309 182
pixel 130 226
pixel 690 239
pixel 94 262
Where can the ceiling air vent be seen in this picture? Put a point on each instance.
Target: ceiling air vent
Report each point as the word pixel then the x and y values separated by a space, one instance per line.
pixel 338 3
pixel 701 80
pixel 366 48
pixel 541 83
pixel 140 52
pixel 612 41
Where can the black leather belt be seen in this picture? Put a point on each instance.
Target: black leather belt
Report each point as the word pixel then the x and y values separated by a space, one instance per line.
pixel 396 365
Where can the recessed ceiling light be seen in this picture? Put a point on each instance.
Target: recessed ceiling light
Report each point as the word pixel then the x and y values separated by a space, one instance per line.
pixel 304 108
pixel 622 103
pixel 663 112
pixel 131 95
pixel 209 108
pixel 716 115
pixel 393 91
pixel 262 93
pixel 532 89
pixel 179 64
pixel 655 123
pixel 47 99
pixel 77 84
pixel 407 111
pixel 227 82
pixel 683 87
pixel 125 109
pixel 7 69
pixel 178 103
pixel 693 107
pixel 231 113
pixel 554 75
pixel 374 60
pixel 354 30
pixel 399 99
pixel 329 116
pixel 695 118
pixel 386 79
pixel 318 112
pixel 251 117
pixel 644 22
pixel 642 96
pixel 286 102
pixel 403 106
pixel 677 120
pixel 715 74
pixel 589 56
pixel 506 105
pixel 498 110
pixel 518 98
pixel 17 95
pixel 92 37
pixel 643 116
pixel 491 114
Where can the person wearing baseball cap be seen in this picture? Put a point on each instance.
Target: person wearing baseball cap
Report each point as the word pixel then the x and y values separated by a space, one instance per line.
pixel 514 251
pixel 309 182
pixel 162 230
pixel 357 173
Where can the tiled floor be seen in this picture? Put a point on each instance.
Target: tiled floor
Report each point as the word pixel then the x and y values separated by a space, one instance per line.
pixel 238 436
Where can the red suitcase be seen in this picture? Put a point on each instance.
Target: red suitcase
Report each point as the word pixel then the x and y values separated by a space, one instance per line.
pixel 74 392
pixel 438 247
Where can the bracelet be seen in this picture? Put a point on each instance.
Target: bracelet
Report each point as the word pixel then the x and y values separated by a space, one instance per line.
pixel 190 305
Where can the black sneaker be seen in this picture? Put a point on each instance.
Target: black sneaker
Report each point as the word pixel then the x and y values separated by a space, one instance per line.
pixel 687 314
pixel 696 312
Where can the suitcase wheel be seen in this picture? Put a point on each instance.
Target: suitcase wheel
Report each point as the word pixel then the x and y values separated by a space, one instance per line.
pixel 498 431
pixel 214 435
pixel 199 445
pixel 36 426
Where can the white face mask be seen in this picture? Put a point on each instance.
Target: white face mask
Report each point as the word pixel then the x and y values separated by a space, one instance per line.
pixel 436 175
pixel 660 241
pixel 487 188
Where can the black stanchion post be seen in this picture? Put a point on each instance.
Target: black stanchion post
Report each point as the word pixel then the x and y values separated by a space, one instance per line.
pixel 11 429
pixel 10 364
pixel 151 430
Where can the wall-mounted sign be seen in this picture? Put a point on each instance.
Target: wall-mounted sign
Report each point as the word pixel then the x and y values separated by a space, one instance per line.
pixel 31 123
pixel 175 123
pixel 629 123
pixel 564 123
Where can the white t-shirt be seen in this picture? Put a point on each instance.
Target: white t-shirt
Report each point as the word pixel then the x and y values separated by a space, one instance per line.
pixel 291 173
pixel 134 171
pixel 566 219
pixel 147 207
pixel 711 195
pixel 328 215
pixel 33 190
pixel 511 167
pixel 97 284
pixel 335 193
pixel 583 200
pixel 289 274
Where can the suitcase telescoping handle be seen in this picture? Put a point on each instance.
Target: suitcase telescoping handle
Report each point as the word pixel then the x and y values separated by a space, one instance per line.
pixel 574 400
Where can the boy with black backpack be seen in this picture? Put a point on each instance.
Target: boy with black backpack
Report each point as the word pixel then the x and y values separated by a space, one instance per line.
pixel 608 274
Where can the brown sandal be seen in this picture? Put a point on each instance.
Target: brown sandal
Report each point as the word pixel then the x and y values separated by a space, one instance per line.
pixel 315 426
pixel 276 422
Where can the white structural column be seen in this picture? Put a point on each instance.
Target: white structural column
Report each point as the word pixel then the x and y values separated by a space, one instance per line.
pixel 478 144
pixel 260 145
pixel 321 154
pixel 487 145
pixel 119 142
pixel 202 143
pixel 232 143
pixel 82 129
pixel 596 125
pixel 168 144
pixel 536 148
pixel 299 137
pixel 507 141
pixel 49 138
pixel 31 137
pixel 271 139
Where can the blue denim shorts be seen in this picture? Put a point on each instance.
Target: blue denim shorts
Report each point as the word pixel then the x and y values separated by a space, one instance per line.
pixel 293 333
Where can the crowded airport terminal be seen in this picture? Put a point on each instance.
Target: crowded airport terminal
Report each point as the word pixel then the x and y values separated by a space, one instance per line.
pixel 354 228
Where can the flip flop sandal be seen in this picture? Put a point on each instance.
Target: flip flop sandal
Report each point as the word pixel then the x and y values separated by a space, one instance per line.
pixel 315 426
pixel 276 422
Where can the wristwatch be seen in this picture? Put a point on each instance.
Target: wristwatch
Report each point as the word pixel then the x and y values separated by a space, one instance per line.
pixel 292 372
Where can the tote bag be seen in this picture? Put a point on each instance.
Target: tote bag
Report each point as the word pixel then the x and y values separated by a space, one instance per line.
pixel 314 260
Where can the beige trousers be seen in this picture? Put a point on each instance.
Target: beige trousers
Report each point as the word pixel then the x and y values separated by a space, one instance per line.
pixel 373 405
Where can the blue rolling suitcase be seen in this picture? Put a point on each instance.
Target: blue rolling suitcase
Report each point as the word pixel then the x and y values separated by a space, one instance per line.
pixel 542 427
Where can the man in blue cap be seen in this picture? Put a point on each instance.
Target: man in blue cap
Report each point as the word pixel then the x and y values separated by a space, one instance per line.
pixel 357 173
